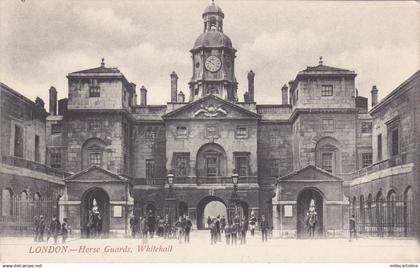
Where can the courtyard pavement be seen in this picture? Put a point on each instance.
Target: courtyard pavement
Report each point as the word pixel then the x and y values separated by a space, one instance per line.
pixel 200 250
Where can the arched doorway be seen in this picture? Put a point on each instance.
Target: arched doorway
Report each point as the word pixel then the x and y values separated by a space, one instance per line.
pixel 102 200
pixel 408 211
pixel 210 206
pixel 303 202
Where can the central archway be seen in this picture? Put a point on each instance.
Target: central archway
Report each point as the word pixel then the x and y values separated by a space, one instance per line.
pixel 210 206
pixel 102 199
pixel 303 202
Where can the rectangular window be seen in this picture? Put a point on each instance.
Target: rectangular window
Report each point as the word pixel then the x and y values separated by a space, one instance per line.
pixel 150 168
pixel 211 166
pixel 241 164
pixel 327 162
pixel 196 91
pixel 366 127
pixel 95 159
pixel 211 131
pixel 37 154
pixel 274 167
pixel 379 144
pixel 395 149
pixel 181 132
pixel 328 124
pixel 150 134
pixel 274 134
pixel 18 148
pixel 94 89
pixel 327 90
pixel 94 124
pixel 56 128
pixel 182 161
pixel 366 159
pixel 55 158
pixel 241 132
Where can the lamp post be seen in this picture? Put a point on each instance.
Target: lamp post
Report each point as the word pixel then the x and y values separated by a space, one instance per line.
pixel 235 198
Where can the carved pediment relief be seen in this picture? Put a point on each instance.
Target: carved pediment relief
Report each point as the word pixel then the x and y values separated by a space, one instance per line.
pixel 210 110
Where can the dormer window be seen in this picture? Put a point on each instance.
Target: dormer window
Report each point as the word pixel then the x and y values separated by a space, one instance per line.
pixel 327 90
pixel 94 89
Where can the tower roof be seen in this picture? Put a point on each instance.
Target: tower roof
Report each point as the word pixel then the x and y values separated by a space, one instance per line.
pixel 213 38
pixel 213 8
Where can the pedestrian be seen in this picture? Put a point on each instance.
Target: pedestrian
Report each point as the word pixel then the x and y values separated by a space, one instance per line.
pixel 352 227
pixel 244 229
pixel 64 230
pixel 179 229
pixel 151 221
pixel 234 232
pixel 188 225
pixel 55 227
pixel 144 229
pixel 228 232
pixel 213 235
pixel 167 227
pixel 209 221
pixel 161 226
pixel 41 228
pixel 223 224
pixel 264 228
pixel 133 225
pixel 217 224
pixel 252 223
pixel 36 228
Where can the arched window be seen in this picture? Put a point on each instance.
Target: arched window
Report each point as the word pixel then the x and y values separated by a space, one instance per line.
pixel 408 211
pixel 391 211
pixel 37 196
pixel 380 221
pixel 6 202
pixel 370 213
pixel 327 155
pixel 211 161
pixel 93 153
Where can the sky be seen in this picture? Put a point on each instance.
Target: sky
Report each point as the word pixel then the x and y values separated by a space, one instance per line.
pixel 41 41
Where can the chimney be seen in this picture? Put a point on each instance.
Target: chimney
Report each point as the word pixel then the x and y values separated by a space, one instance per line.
pixel 181 97
pixel 174 86
pixel 374 93
pixel 251 76
pixel 39 102
pixel 53 101
pixel 143 96
pixel 284 94
pixel 290 91
pixel 62 106
pixel 134 100
pixel 246 97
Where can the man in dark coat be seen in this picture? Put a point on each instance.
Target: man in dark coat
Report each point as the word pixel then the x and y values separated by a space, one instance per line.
pixel 36 228
pixel 144 229
pixel 223 224
pixel 64 230
pixel 244 229
pixel 209 221
pixel 352 227
pixel 151 221
pixel 252 223
pixel 234 231
pixel 133 225
pixel 55 227
pixel 264 228
pixel 217 224
pixel 41 228
pixel 188 225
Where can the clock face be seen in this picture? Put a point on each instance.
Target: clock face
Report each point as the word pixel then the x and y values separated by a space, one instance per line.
pixel 213 64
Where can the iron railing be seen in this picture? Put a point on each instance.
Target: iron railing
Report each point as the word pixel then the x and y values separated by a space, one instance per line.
pixel 35 166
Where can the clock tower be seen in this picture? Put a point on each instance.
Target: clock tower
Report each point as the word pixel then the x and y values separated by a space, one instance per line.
pixel 213 60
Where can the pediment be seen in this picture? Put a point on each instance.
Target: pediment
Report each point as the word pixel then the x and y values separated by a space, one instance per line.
pixel 310 173
pixel 211 107
pixel 96 175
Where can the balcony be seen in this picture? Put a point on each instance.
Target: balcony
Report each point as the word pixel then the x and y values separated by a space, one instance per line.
pixel 397 160
pixel 35 166
pixel 195 180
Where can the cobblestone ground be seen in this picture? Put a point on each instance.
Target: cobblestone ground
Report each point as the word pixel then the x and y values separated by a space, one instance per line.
pixel 200 250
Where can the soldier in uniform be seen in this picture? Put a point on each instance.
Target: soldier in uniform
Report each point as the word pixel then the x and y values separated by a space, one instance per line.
pixel 352 229
pixel 217 224
pixel 144 229
pixel 222 224
pixel 244 229
pixel 179 229
pixel 234 231
pixel 152 223
pixel 228 232
pixel 55 227
pixel 188 225
pixel 133 225
pixel 252 223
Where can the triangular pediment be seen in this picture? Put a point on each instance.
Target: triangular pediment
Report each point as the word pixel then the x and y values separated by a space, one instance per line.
pixel 211 107
pixel 310 173
pixel 97 175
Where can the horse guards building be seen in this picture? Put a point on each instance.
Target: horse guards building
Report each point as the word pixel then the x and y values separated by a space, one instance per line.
pixel 319 143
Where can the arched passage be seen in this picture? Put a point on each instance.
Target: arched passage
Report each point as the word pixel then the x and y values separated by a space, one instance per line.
pixel 210 206
pixel 102 200
pixel 408 211
pixel 303 203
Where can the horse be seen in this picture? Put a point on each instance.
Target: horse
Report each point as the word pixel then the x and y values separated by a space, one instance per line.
pixel 311 221
pixel 94 227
